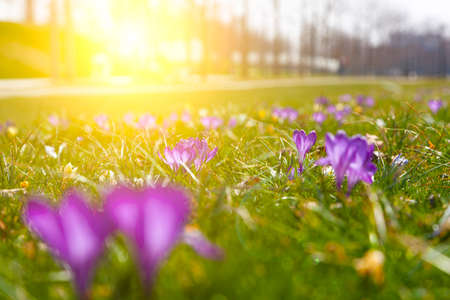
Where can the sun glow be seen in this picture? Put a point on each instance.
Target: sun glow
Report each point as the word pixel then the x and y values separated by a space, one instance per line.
pixel 149 37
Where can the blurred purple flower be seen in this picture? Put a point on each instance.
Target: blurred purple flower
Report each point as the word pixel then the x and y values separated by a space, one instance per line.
pixel 340 115
pixel 365 101
pixel 195 238
pixel 146 122
pixel 349 156
pixel 232 122
pixel 360 99
pixel 211 122
pixel 154 220
pixel 321 100
pixel 74 233
pixel 345 98
pixel 129 119
pixel 304 143
pixel 171 119
pixel 370 102
pixel 435 105
pixel 331 109
pixel 287 113
pixel 186 117
pixel 319 117
pixel 102 121
pixel 54 120
pixel 187 152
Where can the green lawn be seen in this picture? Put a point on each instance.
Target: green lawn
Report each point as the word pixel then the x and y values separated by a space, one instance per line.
pixel 283 239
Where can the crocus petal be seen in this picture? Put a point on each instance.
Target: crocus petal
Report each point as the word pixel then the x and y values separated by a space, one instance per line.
pixel 45 222
pixel 153 219
pixel 201 244
pixel 212 154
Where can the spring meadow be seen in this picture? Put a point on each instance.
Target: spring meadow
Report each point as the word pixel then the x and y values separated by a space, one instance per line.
pixel 224 150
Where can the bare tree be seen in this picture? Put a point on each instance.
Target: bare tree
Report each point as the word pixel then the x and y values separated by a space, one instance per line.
pixel 54 40
pixel 245 39
pixel 70 41
pixel 276 39
pixel 29 12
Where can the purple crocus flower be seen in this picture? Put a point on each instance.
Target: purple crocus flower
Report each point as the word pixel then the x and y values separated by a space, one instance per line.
pixel 321 100
pixel 369 102
pixel 287 113
pixel 304 143
pixel 129 119
pixel 349 156
pixel 340 115
pixel 319 117
pixel 360 99
pixel 170 120
pixel 331 109
pixel 74 233
pixel 186 117
pixel 345 98
pixel 154 220
pixel 232 122
pixel 435 105
pixel 187 152
pixel 102 121
pixel 146 122
pixel 211 122
pixel 54 120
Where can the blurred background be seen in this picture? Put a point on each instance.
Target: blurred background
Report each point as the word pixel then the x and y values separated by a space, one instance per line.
pixel 185 40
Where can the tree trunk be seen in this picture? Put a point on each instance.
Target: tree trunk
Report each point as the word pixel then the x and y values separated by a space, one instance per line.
pixel 29 12
pixel 245 40
pixel 70 41
pixel 54 41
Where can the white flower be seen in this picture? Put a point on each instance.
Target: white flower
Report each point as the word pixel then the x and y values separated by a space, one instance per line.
pixel 380 123
pixel 51 152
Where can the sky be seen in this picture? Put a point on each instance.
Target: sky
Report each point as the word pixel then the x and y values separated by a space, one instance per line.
pixel 422 13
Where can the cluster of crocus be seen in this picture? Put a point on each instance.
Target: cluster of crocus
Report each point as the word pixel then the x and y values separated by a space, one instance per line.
pixel 187 152
pixel 365 101
pixel 152 219
pixel 435 105
pixel 303 142
pixel 102 121
pixel 349 156
pixel 287 113
pixel 339 112
pixel 145 121
pixel 56 121
pixel 211 122
pixel 322 101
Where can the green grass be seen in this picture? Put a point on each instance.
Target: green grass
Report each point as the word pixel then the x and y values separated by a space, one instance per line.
pixel 302 238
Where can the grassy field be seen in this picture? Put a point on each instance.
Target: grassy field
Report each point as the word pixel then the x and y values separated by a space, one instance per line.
pixel 284 239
